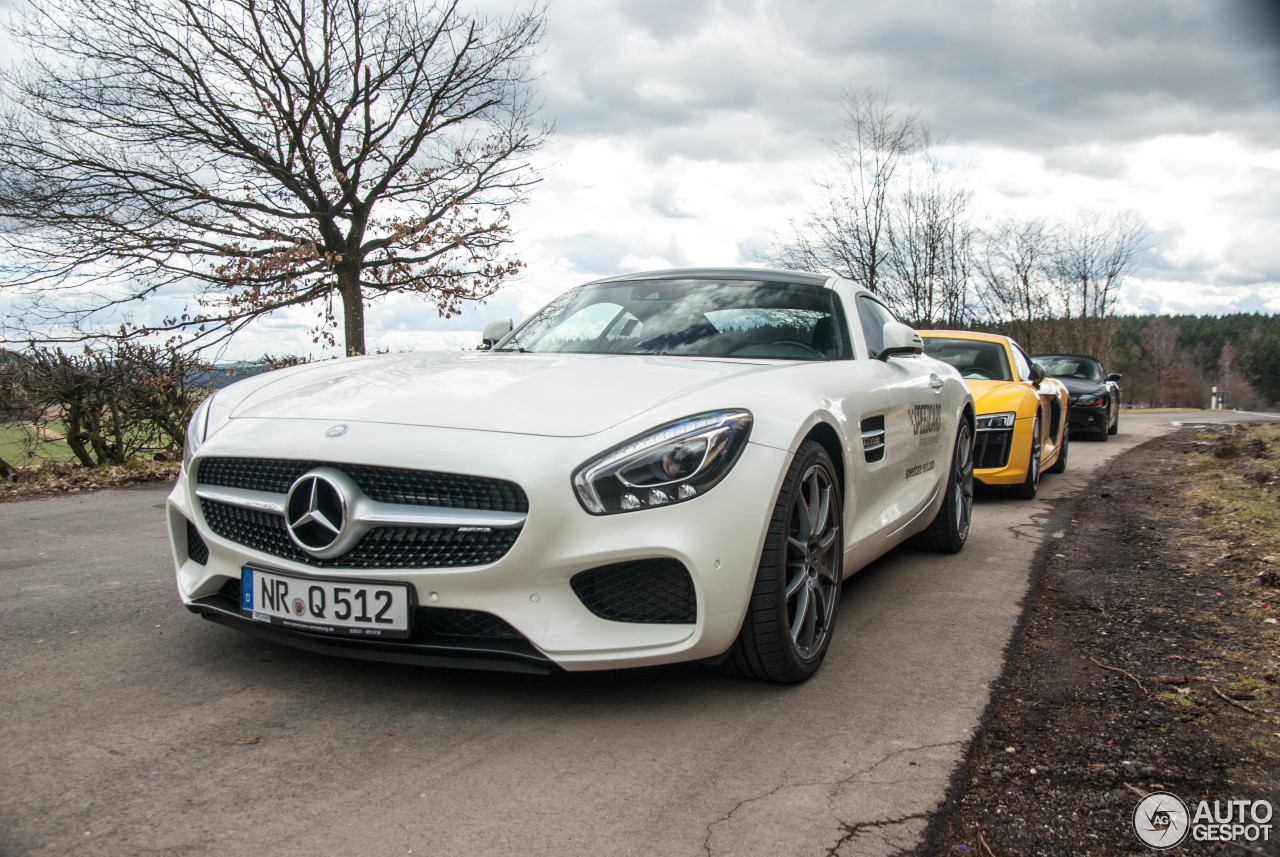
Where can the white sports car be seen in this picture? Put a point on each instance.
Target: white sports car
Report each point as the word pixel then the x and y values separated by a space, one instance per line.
pixel 657 467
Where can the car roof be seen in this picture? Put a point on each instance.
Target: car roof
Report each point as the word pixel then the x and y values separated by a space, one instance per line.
pixel 768 275
pixel 966 334
pixel 1068 354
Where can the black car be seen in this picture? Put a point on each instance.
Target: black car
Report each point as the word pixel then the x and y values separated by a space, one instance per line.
pixel 1095 395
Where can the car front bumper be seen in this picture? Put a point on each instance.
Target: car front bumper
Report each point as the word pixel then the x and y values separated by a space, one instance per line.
pixel 1094 418
pixel 995 466
pixel 717 537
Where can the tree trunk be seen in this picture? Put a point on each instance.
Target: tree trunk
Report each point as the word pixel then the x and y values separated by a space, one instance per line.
pixel 7 470
pixel 76 436
pixel 352 309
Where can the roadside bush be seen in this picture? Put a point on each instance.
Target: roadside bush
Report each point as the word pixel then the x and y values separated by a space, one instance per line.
pixel 114 403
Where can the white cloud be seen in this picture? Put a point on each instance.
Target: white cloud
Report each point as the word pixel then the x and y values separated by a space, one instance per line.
pixel 689 131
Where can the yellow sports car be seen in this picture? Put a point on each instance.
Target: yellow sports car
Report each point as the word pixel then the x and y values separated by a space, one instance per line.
pixel 1021 425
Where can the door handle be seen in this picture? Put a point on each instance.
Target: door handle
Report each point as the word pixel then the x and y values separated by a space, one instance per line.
pixel 936 383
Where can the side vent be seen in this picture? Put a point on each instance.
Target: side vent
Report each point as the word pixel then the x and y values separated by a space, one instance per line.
pixel 655 591
pixel 873 438
pixel 197 550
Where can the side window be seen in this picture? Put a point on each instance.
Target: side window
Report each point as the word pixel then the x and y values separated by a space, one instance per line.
pixel 1021 363
pixel 873 316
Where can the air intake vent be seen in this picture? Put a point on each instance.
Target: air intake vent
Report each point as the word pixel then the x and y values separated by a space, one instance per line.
pixel 873 438
pixel 991 448
pixel 652 591
pixel 197 550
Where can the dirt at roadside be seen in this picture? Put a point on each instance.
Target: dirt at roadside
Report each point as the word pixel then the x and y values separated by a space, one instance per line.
pixel 1150 629
pixel 56 478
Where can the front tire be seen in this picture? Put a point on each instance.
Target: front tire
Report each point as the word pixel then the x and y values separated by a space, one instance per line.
pixel 1029 486
pixel 950 528
pixel 792 613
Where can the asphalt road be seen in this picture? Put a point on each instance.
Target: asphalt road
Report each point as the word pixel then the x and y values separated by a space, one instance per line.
pixel 133 727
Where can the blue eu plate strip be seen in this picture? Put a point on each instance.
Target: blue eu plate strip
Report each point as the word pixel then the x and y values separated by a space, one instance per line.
pixel 246 588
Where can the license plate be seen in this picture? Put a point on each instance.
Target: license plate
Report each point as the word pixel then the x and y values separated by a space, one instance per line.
pixel 348 608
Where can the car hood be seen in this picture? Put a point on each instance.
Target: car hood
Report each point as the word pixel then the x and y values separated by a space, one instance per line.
pixel 1079 386
pixel 993 397
pixel 558 395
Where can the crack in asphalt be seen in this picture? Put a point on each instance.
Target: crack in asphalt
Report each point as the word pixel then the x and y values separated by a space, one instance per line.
pixel 849 830
pixel 895 753
pixel 1032 531
pixel 706 843
pixel 852 830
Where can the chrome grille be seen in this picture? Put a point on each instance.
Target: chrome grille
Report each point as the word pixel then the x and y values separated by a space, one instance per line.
pixel 382 547
pixel 384 484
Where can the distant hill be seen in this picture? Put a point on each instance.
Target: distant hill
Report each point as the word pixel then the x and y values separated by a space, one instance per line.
pixel 224 374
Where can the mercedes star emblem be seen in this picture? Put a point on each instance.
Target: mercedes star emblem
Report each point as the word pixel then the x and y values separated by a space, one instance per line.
pixel 315 512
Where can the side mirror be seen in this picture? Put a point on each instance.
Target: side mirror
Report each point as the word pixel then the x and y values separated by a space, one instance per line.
pixel 1114 377
pixel 899 341
pixel 1037 374
pixel 493 333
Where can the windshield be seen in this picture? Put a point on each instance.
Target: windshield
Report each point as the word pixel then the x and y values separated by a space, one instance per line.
pixel 1071 366
pixel 977 359
pixel 703 318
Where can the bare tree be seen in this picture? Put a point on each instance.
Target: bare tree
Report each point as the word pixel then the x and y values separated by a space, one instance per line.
pixel 846 230
pixel 264 153
pixel 1090 261
pixel 931 242
pixel 1014 287
pixel 1160 349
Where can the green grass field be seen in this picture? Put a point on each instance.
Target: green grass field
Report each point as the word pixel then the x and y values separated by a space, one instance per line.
pixel 13 446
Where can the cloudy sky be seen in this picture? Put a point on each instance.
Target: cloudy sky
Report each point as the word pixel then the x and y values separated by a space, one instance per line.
pixel 689 131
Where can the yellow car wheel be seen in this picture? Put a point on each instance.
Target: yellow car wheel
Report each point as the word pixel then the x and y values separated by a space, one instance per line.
pixel 1029 486
pixel 1060 465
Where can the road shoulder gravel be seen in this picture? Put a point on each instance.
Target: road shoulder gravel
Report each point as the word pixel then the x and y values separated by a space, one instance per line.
pixel 1145 661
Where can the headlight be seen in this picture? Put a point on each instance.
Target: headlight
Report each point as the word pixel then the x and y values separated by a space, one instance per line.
pixel 671 464
pixel 996 421
pixel 197 430
pixel 1088 400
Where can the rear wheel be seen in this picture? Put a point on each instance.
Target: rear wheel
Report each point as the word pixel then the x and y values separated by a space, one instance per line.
pixel 792 613
pixel 1029 486
pixel 950 529
pixel 1060 465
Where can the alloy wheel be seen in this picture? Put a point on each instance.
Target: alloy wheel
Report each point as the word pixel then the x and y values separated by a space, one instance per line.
pixel 962 477
pixel 812 542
